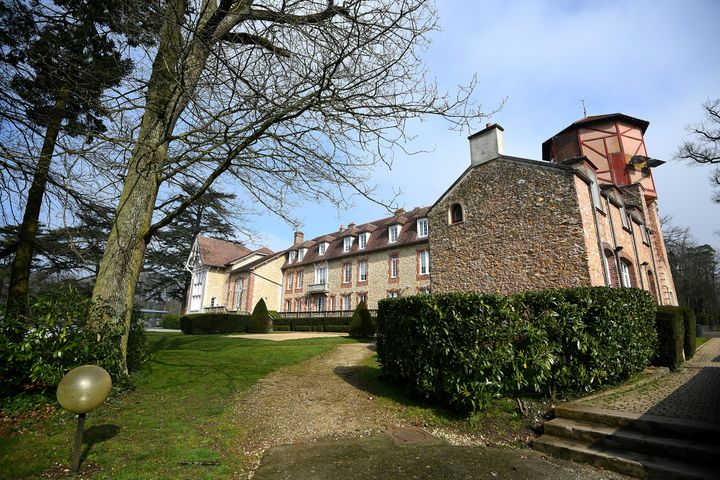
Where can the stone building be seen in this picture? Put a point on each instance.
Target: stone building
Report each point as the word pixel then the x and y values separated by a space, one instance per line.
pixel 585 215
pixel 227 276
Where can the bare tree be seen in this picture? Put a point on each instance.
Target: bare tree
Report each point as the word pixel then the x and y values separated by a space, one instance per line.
pixel 704 148
pixel 290 99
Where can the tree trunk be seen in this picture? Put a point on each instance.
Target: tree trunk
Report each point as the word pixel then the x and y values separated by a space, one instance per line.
pixel 17 301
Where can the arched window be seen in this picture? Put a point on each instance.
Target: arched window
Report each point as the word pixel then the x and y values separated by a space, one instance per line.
pixel 456 213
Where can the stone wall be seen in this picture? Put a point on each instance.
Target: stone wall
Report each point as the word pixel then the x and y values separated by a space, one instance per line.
pixel 522 230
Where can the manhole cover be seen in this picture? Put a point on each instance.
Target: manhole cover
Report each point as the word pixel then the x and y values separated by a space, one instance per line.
pixel 410 436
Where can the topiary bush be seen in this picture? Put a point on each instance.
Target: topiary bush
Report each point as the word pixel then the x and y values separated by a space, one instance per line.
pixel 361 324
pixel 63 330
pixel 465 348
pixel 690 332
pixel 669 324
pixel 211 323
pixel 260 321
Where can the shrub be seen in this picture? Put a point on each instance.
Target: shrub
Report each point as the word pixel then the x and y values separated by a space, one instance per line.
pixel 670 331
pixel 63 330
pixel 260 321
pixel 210 323
pixel 465 348
pixel 362 324
pixel 703 318
pixel 327 324
pixel 689 338
pixel 170 321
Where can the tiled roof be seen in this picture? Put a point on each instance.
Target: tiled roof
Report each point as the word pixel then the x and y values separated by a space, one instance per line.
pixel 218 253
pixel 378 240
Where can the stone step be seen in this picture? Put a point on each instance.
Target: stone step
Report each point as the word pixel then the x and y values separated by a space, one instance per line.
pixel 684 449
pixel 640 422
pixel 635 464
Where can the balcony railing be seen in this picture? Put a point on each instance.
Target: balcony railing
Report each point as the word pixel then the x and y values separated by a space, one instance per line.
pixel 318 288
pixel 323 313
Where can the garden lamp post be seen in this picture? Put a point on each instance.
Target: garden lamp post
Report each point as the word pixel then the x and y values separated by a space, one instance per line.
pixel 82 390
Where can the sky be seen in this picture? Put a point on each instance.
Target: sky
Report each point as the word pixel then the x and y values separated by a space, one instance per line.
pixel 654 60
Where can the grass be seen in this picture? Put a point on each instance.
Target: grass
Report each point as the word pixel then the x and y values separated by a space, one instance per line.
pixel 502 423
pixel 177 423
pixel 700 340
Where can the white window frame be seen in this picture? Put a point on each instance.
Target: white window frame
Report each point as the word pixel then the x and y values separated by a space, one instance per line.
pixel 322 248
pixel 198 289
pixel 625 278
pixel 288 281
pixel 393 294
pixel 299 280
pixel 595 190
pixel 320 304
pixel 394 266
pixel 422 227
pixel 363 271
pixel 288 305
pixel 291 256
pixel 347 244
pixel 301 254
pixel 346 301
pixel 362 241
pixel 320 274
pixel 347 273
pixel 239 288
pixel 393 233
pixel 362 297
pixel 424 262
pixel 645 234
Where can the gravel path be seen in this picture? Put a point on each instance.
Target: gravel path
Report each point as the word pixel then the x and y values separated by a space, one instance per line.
pixel 309 402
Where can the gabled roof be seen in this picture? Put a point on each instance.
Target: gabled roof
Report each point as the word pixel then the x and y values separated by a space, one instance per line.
pixel 378 239
pixel 259 262
pixel 218 253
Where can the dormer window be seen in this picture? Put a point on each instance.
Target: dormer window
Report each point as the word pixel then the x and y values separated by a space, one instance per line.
pixel 393 233
pixel 422 227
pixel 322 248
pixel 291 257
pixel 347 244
pixel 456 213
pixel 301 254
pixel 362 240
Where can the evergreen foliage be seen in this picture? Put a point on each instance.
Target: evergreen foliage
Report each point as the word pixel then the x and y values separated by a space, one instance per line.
pixel 208 323
pixel 690 333
pixel 260 321
pixel 362 325
pixel 465 348
pixel 670 328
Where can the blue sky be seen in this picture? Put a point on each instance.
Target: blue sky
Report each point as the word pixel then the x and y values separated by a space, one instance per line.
pixel 655 60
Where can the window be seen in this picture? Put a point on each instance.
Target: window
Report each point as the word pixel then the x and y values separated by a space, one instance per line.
pixel 212 302
pixel 456 213
pixel 362 297
pixel 320 304
pixel 299 282
pixel 321 274
pixel 301 254
pixel 645 234
pixel 362 271
pixel 347 243
pixel 197 290
pixel 288 281
pixel 298 305
pixel 239 287
pixel 362 240
pixel 625 274
pixel 291 257
pixel 346 302
pixel 322 248
pixel 394 266
pixel 422 227
pixel 624 218
pixel 424 262
pixel 393 294
pixel 393 233
pixel 424 291
pixel 596 195
pixel 288 305
pixel 347 273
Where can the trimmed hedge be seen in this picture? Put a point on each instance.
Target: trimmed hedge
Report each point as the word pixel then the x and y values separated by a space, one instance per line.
pixel 362 325
pixel 671 333
pixel 690 336
pixel 465 348
pixel 314 324
pixel 260 321
pixel 171 321
pixel 208 323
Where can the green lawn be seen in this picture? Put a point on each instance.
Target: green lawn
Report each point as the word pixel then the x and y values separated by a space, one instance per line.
pixel 700 340
pixel 180 413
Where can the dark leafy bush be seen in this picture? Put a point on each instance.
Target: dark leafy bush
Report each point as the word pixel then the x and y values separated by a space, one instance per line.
pixel 170 321
pixel 260 321
pixel 669 323
pixel 209 323
pixel 63 330
pixel 465 349
pixel 314 324
pixel 362 325
pixel 690 334
pixel 703 318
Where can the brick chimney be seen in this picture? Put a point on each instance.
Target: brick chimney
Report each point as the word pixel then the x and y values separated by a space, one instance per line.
pixel 342 227
pixel 299 238
pixel 486 144
pixel 351 225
